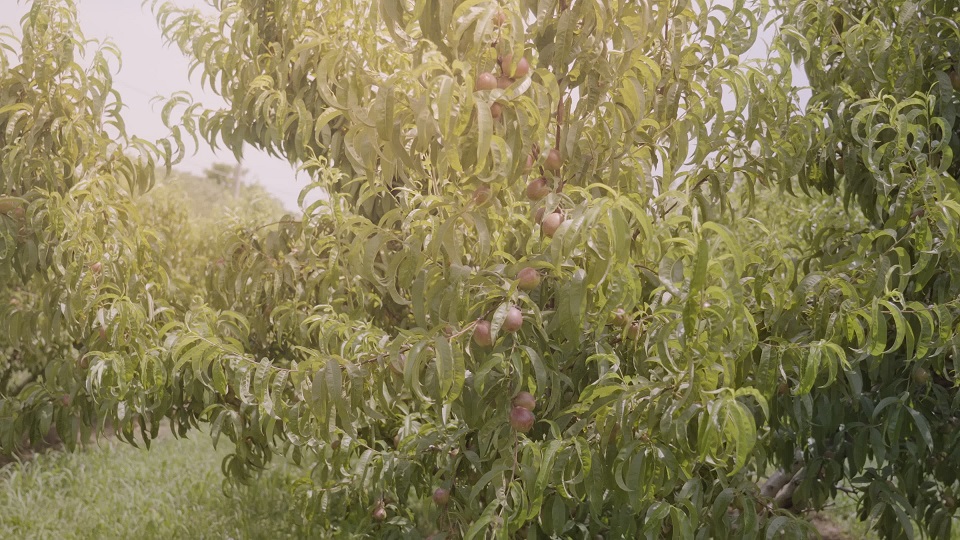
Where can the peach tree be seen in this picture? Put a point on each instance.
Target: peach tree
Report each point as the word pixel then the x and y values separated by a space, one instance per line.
pixel 882 284
pixel 96 257
pixel 518 306
pixel 551 285
pixel 78 274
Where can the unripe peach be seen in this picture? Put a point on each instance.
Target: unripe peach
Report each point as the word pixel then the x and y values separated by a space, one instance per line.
pixel 551 223
pixel 528 279
pixel 553 161
pixel 521 419
pixel 379 513
pixel 96 267
pixel 619 317
pixel 504 82
pixel 486 81
pixel 633 332
pixel 499 18
pixel 538 216
pixel 955 80
pixel 482 335
pixel 513 321
pixel 525 400
pixel 496 110
pixel 538 189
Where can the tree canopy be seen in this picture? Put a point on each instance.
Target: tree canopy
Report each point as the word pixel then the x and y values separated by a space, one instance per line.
pixel 577 268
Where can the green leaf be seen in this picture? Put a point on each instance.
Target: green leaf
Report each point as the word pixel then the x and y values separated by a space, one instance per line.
pixel 450 370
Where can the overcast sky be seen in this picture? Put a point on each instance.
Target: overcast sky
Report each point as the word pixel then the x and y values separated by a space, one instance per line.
pixel 151 69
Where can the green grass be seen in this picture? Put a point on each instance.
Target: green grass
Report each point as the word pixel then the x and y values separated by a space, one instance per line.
pixel 173 490
pixel 842 513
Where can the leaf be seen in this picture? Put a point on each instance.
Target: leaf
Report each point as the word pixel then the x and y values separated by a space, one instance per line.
pixel 922 426
pixel 900 324
pixel 572 303
pixel 478 527
pixel 245 377
pixel 219 377
pixel 261 380
pixel 877 341
pixel 484 133
pixel 741 430
pixel 777 526
pixel 698 279
pixel 333 382
pixel 450 370
pixel 810 369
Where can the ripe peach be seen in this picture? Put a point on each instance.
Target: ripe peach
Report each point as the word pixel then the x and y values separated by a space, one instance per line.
pixel 553 161
pixel 482 335
pixel 528 279
pixel 551 223
pixel 513 321
pixel 486 81
pixel 526 400
pixel 521 419
pixel 537 189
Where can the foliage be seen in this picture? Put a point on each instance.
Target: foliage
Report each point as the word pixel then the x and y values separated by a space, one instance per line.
pixel 349 331
pixel 677 322
pixel 77 272
pixel 887 293
pixel 180 211
pixel 83 273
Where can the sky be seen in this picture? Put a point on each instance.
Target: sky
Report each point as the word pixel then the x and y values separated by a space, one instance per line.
pixel 151 69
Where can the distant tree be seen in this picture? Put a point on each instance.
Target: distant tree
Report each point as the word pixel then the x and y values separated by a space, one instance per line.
pixel 221 173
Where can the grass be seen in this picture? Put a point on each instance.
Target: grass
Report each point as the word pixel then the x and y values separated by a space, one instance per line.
pixel 175 491
pixel 118 491
pixel 841 520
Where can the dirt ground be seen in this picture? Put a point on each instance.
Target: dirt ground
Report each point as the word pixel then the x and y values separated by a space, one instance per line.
pixel 828 529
